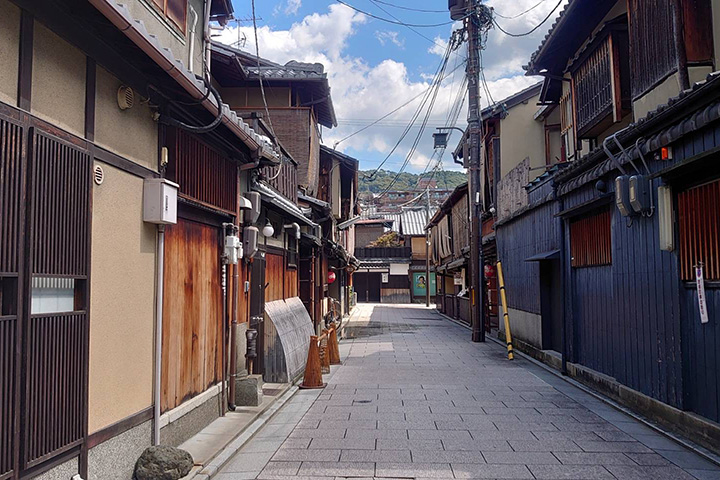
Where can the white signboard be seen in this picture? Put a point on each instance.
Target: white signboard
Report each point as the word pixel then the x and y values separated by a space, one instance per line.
pixel 702 302
pixel 458 278
pixel 385 277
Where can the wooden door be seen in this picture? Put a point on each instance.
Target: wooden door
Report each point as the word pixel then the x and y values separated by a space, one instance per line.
pixel 192 312
pixel 257 306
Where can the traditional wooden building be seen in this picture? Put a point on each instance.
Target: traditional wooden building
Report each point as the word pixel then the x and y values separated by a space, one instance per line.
pixel 94 358
pixel 630 219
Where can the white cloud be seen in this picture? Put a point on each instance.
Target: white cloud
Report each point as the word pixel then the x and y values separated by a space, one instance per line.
pixel 364 92
pixel 439 47
pixel 291 7
pixel 386 36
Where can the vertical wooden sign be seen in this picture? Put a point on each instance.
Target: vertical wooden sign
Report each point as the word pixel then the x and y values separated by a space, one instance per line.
pixel 702 301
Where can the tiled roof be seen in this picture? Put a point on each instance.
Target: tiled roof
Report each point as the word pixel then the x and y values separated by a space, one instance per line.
pixel 596 162
pixel 414 221
pixel 121 17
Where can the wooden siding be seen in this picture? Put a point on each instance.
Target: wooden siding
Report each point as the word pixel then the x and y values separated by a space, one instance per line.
pixel 591 240
pixel 530 234
pixel 652 52
pixel 699 220
pixel 593 88
pixel 284 181
pixel 192 312
pixel 282 282
pixel 204 174
pixel 460 226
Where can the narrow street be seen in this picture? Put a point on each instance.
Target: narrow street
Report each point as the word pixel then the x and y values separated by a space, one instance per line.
pixel 415 398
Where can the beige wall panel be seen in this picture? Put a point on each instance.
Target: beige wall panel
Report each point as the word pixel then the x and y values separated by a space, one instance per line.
pixel 521 137
pixel 122 301
pixel 131 133
pixel 9 50
pixel 58 81
pixel 169 35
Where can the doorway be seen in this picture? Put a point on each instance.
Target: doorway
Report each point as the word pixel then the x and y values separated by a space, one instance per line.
pixel 551 304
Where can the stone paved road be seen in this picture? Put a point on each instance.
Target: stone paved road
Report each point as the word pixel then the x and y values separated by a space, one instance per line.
pixel 415 398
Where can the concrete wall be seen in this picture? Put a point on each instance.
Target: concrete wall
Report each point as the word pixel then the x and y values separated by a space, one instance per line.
pixel 122 301
pixel 9 51
pixel 366 234
pixel 511 194
pixel 131 133
pixel 521 137
pixel 62 471
pixel 115 459
pixel 168 34
pixel 667 89
pixel 524 326
pixel 58 81
pixel 243 97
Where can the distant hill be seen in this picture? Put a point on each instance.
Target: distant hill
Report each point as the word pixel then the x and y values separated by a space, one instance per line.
pixel 407 181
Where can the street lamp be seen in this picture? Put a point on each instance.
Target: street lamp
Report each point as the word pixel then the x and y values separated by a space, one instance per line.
pixel 440 138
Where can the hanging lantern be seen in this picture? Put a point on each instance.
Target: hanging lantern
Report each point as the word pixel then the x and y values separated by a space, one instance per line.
pixel 489 271
pixel 331 277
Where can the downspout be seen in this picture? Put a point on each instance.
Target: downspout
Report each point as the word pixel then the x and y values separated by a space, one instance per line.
pixel 208 40
pixel 191 60
pixel 158 332
pixel 233 337
pixel 563 280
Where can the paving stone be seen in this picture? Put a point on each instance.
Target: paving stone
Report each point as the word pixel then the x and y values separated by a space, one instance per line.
pixel 441 434
pixel 541 446
pixel 281 468
pixel 405 470
pixel 401 444
pixel 374 433
pixel 574 472
pixel 634 447
pixel 306 455
pixel 248 462
pixel 375 456
pixel 465 470
pixel 643 473
pixel 318 433
pixel 583 458
pixel 445 456
pixel 348 469
pixel 687 459
pixel 343 443
pixel 648 459
pixel 521 458
pixel 479 445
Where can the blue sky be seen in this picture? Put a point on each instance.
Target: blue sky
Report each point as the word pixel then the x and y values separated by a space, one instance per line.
pixel 374 66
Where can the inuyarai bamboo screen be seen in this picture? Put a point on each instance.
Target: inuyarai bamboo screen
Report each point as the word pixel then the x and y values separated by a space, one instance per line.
pixel 591 240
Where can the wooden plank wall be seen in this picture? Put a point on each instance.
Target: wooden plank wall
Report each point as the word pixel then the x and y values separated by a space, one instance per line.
pixel 282 282
pixel 192 312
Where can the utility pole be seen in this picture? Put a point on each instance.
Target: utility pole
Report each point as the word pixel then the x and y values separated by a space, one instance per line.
pixel 473 24
pixel 427 249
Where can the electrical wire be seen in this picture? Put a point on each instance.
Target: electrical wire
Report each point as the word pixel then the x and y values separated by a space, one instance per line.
pixel 533 29
pixel 379 120
pixel 513 17
pixel 395 22
pixel 410 8
pixel 375 2
pixel 262 90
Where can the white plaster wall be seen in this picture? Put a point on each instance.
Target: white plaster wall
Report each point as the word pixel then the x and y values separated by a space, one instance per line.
pixel 9 51
pixel 58 81
pixel 524 326
pixel 521 137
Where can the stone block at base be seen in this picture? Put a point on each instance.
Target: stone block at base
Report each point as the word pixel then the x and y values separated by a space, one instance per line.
pixel 248 391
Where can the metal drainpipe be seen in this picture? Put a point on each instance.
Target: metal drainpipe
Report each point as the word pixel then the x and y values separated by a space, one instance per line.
pixel 192 39
pixel 563 281
pixel 158 331
pixel 208 40
pixel 233 337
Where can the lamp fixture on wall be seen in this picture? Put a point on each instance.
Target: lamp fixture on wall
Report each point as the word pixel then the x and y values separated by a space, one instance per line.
pixel 268 229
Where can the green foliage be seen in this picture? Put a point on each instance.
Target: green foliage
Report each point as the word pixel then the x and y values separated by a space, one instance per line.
pixel 407 181
pixel 389 239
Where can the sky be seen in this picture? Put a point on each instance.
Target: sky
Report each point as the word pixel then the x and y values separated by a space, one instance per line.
pixel 374 66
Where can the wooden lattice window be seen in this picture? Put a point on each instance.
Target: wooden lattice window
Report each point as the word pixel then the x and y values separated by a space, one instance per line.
pixel 591 240
pixel 699 218
pixel 601 83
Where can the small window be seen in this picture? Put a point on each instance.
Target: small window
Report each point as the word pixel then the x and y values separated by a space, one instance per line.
pixel 591 240
pixel 292 250
pixel 174 10
pixel 699 219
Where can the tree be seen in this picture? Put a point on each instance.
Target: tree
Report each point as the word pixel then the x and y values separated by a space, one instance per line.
pixel 389 239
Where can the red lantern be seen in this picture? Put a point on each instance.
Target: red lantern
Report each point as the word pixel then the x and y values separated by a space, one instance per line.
pixel 489 271
pixel 331 277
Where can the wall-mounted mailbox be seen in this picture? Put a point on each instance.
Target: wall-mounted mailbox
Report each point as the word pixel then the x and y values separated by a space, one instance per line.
pixel 160 201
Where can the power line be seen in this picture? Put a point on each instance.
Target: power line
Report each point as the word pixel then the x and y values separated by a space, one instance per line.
pixel 395 22
pixel 410 8
pixel 533 29
pixel 379 120
pixel 513 17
